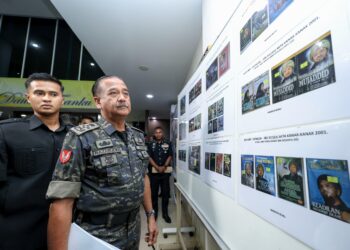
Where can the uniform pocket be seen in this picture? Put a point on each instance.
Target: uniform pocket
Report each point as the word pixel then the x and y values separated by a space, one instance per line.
pixel 118 175
pixel 143 160
pixel 29 161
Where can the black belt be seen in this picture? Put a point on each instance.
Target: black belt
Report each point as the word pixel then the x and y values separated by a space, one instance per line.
pixel 109 219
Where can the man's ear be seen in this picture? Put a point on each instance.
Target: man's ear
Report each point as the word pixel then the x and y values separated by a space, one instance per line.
pixel 97 101
pixel 27 97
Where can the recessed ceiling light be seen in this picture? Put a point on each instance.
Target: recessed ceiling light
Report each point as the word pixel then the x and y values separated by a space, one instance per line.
pixel 92 64
pixel 153 118
pixel 35 45
pixel 149 96
pixel 143 68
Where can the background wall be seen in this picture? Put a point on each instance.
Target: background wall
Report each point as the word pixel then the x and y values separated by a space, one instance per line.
pixel 164 123
pixel 236 226
pixel 215 15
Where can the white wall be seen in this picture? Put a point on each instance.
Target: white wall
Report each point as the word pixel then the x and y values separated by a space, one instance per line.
pixel 195 60
pixel 215 14
pixel 236 226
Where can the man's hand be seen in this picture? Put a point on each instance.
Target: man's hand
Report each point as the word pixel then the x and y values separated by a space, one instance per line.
pixel 162 169
pixel 151 236
pixel 156 167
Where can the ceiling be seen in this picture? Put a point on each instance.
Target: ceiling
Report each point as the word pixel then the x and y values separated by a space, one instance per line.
pixel 32 8
pixel 123 35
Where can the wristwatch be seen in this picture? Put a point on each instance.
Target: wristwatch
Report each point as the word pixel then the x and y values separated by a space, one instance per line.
pixel 150 213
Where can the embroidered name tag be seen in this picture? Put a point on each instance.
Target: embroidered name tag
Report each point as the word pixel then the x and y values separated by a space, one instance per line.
pixel 105 151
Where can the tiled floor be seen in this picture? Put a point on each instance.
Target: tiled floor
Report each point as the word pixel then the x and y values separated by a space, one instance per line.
pixel 161 224
pixel 170 242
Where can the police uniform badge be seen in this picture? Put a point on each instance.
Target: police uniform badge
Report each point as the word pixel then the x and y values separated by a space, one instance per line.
pixel 165 146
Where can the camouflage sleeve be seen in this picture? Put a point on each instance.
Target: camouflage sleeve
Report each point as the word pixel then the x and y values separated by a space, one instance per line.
pixel 146 162
pixel 69 170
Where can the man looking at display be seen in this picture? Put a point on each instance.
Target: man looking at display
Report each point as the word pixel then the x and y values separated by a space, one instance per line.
pixel 103 166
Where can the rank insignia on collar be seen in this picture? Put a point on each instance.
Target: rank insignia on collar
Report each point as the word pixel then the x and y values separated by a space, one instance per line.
pixel 65 156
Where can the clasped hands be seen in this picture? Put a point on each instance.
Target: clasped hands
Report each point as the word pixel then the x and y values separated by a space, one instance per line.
pixel 160 169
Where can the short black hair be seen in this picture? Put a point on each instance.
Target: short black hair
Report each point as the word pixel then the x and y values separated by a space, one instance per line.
pixel 87 117
pixel 42 77
pixel 98 81
pixel 324 177
pixel 159 128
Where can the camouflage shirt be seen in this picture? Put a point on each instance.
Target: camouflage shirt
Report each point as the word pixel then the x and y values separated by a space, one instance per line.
pixel 100 169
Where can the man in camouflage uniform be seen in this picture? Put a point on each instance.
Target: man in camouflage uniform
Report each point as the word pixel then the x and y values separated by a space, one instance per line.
pixel 103 165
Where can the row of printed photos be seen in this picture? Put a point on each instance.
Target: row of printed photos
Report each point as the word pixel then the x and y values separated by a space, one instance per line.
pixel 218 67
pixel 182 131
pixel 260 20
pixel 194 159
pixel 218 163
pixel 183 105
pixel 216 117
pixel 327 180
pixel 309 69
pixel 195 123
pixel 182 155
pixel 195 91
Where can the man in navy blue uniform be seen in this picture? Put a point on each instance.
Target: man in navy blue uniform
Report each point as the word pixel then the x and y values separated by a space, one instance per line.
pixel 29 148
pixel 160 152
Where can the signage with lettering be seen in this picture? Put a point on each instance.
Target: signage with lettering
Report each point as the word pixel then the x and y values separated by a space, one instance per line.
pixel 77 94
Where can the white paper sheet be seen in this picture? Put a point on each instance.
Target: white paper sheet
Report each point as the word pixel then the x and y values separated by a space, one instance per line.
pixel 79 239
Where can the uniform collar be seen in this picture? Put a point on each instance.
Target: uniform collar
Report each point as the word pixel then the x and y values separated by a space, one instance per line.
pixel 35 122
pixel 160 142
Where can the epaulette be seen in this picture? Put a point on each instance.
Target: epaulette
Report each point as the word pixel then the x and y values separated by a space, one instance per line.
pixel 81 129
pixel 13 120
pixel 138 130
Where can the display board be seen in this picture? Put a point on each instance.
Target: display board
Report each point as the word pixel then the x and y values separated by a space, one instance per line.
pixel 208 111
pixel 302 64
pixel 274 121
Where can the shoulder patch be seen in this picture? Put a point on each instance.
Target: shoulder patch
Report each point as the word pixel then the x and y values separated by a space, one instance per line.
pixel 81 129
pixel 13 120
pixel 65 156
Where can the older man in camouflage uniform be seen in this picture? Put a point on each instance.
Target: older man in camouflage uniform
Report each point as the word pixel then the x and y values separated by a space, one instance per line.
pixel 103 165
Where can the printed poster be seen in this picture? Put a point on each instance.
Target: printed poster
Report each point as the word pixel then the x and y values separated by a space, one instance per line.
pixel 310 167
pixel 329 187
